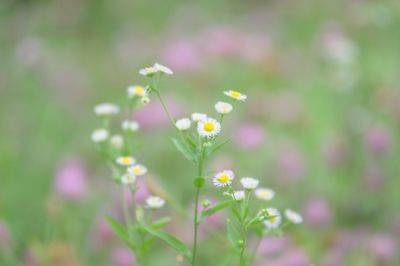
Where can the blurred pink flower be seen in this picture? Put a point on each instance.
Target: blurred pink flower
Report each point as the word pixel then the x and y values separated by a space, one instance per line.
pixel 29 258
pixel 384 247
pixel 290 164
pixel 222 41
pixel 249 136
pixel 212 222
pixel 335 152
pixel 293 257
pixel 123 257
pixel 373 178
pixel 317 212
pixel 272 245
pixel 182 55
pixel 153 115
pixel 142 192
pixel 377 140
pixel 5 239
pixel 102 234
pixel 71 180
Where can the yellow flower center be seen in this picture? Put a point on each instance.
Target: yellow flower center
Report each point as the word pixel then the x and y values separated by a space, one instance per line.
pixel 137 170
pixel 223 178
pixel 139 90
pixel 272 220
pixel 235 94
pixel 264 194
pixel 126 160
pixel 209 126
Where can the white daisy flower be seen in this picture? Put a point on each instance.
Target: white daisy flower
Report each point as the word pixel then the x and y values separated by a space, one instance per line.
pixel 100 135
pixel 238 195
pixel 196 117
pixel 125 160
pixel 275 221
pixel 235 95
pixel 249 182
pixel 137 170
pixel 163 69
pixel 128 178
pixel 293 216
pixel 224 178
pixel 208 127
pixel 150 71
pixel 136 90
pixel 117 141
pixel 154 202
pixel 130 125
pixel 183 124
pixel 264 193
pixel 223 108
pixel 106 109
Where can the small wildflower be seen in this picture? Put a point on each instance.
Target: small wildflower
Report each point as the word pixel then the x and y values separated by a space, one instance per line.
pixel 205 203
pixel 106 109
pixel 208 127
pixel 238 195
pixel 249 182
pixel 235 95
pixel 223 178
pixel 137 170
pixel 274 221
pixel 136 91
pixel 223 108
pixel 293 216
pixel 150 71
pixel 100 135
pixel 145 100
pixel 163 69
pixel 125 160
pixel 196 117
pixel 264 193
pixel 117 141
pixel 128 178
pixel 155 202
pixel 130 125
pixel 183 124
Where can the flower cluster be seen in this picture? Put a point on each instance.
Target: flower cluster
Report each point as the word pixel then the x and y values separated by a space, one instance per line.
pixel 197 139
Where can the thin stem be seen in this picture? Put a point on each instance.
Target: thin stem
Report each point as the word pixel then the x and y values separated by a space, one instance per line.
pixel 196 204
pixel 171 119
pixel 196 226
pixel 243 251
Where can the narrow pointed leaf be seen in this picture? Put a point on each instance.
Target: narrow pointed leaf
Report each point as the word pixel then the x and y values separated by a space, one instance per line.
pixel 160 223
pixel 171 240
pixel 210 211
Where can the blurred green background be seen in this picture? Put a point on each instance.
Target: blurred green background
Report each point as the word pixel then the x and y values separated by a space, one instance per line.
pixel 320 125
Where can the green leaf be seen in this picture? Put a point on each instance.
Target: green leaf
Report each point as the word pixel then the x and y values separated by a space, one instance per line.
pixel 161 222
pixel 171 240
pixel 217 146
pixel 210 211
pixel 233 235
pixel 120 230
pixel 190 155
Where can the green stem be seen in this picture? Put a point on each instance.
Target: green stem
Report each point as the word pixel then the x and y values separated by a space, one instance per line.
pixel 171 119
pixel 242 254
pixel 196 205
pixel 196 226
